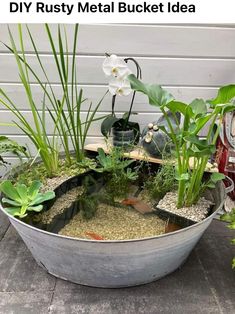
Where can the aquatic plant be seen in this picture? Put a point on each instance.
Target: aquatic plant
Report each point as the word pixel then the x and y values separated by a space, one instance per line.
pixel 69 129
pixel 23 199
pixel 119 174
pixel 163 181
pixel 191 151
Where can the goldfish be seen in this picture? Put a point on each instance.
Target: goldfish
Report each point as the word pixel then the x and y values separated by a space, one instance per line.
pixel 94 236
pixel 138 204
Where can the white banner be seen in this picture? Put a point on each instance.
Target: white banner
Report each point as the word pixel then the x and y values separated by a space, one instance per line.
pixel 129 11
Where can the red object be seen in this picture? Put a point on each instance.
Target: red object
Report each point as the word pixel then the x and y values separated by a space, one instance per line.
pixel 94 236
pixel 226 149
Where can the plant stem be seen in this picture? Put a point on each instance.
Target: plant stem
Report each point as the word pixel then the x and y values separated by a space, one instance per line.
pixel 138 75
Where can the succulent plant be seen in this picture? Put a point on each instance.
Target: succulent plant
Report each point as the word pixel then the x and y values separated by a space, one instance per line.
pixel 22 198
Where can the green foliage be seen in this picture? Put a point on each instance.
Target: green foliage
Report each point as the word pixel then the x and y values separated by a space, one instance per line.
pixel 230 218
pixel 112 162
pixel 22 199
pixel 117 171
pixel 9 146
pixel 65 111
pixel 188 144
pixel 30 172
pixel 162 182
pixel 88 206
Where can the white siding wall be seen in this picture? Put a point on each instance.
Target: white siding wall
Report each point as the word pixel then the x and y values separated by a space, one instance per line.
pixel 190 60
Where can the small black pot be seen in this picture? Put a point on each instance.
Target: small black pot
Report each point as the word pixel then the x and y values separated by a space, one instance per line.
pixel 123 138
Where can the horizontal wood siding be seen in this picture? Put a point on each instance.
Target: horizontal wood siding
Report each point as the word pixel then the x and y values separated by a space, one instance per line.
pixel 189 60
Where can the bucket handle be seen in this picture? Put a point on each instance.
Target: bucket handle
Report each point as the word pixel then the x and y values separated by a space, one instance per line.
pixel 230 188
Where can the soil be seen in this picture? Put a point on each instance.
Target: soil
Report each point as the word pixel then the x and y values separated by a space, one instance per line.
pixel 196 212
pixel 115 223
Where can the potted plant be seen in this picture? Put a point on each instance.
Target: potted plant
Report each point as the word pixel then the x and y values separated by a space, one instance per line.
pixel 124 131
pixel 99 230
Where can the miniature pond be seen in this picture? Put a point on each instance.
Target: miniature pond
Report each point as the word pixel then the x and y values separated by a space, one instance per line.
pixel 85 208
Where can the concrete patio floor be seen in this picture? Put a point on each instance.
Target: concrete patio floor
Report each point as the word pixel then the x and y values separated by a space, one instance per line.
pixel 205 284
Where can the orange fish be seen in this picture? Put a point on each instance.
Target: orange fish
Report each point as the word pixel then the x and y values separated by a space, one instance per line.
pixel 130 201
pixel 94 236
pixel 139 205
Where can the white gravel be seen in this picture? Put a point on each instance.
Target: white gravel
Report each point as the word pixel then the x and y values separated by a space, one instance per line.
pixel 197 212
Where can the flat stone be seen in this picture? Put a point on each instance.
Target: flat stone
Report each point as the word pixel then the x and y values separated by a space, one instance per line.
pixel 25 302
pixel 18 269
pixel 4 224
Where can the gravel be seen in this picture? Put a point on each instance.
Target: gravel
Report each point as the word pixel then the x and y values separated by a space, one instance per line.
pixel 115 223
pixel 196 212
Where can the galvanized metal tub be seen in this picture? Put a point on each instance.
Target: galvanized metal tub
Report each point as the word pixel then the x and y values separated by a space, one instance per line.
pixel 114 264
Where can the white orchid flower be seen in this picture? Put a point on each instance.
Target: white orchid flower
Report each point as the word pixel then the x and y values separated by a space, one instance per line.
pixel 119 87
pixel 116 67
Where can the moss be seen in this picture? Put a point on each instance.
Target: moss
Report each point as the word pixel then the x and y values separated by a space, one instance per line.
pixel 29 173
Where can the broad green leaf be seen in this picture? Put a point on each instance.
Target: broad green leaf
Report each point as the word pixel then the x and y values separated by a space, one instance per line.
pixel 107 124
pixel 41 198
pixel 223 108
pixel 199 124
pixel 14 211
pixel 217 176
pixel 177 106
pixel 22 191
pixel 199 107
pixel 9 190
pixel 34 189
pixel 101 156
pixel 196 152
pixel 225 95
pixel 10 202
pixel 37 208
pixel 156 94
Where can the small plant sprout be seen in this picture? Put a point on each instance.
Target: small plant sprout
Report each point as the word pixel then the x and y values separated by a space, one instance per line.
pixel 22 199
pixel 189 147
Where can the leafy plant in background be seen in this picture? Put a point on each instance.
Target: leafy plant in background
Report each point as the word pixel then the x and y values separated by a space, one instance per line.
pixel 188 145
pixel 22 199
pixel 230 218
pixel 65 113
pixel 119 174
pixel 9 146
pixel 117 69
